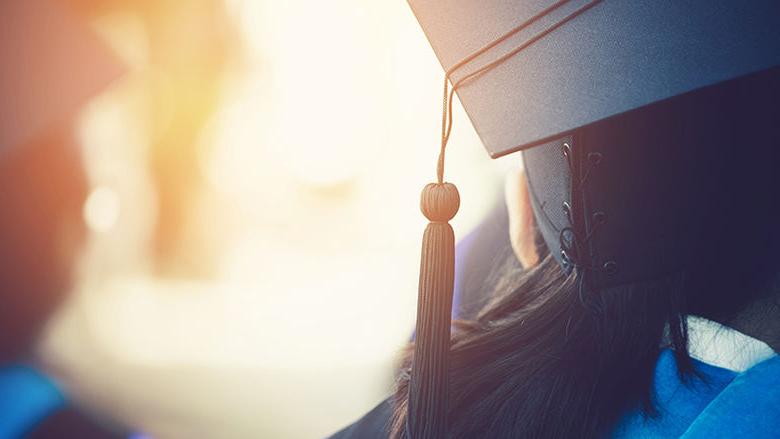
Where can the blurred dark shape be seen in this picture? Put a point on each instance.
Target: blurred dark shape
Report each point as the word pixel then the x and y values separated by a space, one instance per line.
pixel 70 423
pixel 50 65
pixel 42 191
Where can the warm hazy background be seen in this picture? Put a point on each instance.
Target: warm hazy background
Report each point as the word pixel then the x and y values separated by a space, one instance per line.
pixel 252 265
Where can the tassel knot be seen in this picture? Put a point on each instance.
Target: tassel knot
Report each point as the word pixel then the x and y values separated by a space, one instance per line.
pixel 439 202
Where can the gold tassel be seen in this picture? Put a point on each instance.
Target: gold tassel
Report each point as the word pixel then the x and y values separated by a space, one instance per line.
pixel 428 392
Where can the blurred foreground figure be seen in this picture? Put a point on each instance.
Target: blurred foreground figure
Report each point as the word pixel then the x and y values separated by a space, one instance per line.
pixel 638 295
pixel 50 64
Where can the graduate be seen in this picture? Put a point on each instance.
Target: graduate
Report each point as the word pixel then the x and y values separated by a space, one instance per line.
pixel 51 65
pixel 631 287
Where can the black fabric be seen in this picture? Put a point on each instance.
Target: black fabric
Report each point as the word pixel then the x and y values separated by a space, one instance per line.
pixel 677 184
pixel 70 423
pixel 480 264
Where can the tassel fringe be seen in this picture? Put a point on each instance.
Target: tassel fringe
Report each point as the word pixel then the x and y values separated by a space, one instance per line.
pixel 428 395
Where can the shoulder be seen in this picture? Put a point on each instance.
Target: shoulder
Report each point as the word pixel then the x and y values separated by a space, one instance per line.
pixel 375 424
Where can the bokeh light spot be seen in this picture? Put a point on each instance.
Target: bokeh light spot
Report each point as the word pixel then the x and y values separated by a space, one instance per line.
pixel 101 210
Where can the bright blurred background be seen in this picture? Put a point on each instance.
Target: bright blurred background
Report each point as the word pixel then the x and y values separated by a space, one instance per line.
pixel 255 231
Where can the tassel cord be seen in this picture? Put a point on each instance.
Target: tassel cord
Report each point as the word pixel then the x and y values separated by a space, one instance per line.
pixel 449 93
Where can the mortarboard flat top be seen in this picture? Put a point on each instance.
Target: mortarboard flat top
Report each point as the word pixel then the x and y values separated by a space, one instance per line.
pixel 50 64
pixel 615 57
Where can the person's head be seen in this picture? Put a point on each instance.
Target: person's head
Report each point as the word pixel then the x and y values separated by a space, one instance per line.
pixel 684 185
pixel 639 221
pixel 42 191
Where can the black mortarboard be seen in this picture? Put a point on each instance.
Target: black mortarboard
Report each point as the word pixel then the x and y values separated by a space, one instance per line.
pixel 50 64
pixel 614 57
pixel 654 134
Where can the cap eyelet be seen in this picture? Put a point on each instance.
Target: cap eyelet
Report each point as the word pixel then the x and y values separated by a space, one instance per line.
pixel 599 217
pixel 567 211
pixel 565 260
pixel 610 268
pixel 566 149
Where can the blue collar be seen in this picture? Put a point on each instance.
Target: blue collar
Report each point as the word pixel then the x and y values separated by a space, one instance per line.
pixel 748 407
pixel 724 404
pixel 26 398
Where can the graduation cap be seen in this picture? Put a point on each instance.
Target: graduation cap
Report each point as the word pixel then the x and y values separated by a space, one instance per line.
pixel 631 115
pixel 50 65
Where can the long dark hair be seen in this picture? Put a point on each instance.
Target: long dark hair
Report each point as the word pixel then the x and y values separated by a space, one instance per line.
pixel 537 362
